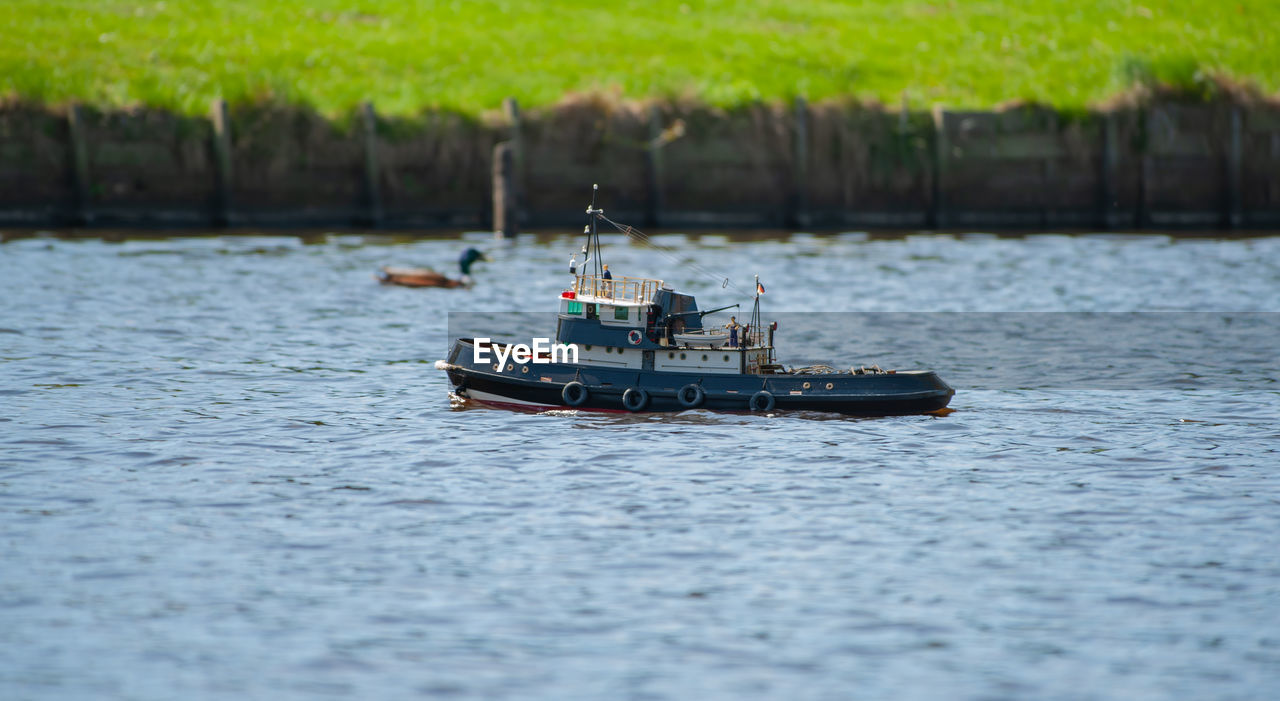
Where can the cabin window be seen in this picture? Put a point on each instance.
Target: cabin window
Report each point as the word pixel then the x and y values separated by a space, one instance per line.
pixel 575 308
pixel 726 359
pixel 587 347
pixel 620 313
pixel 682 356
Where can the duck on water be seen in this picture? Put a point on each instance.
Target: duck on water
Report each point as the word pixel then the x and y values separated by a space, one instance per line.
pixel 426 277
pixel 635 344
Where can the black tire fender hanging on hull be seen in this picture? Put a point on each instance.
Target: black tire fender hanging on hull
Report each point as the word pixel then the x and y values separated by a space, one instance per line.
pixel 691 396
pixel 635 399
pixel 762 401
pixel 575 394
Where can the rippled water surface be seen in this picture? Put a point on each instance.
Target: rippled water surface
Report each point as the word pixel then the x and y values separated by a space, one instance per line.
pixel 228 469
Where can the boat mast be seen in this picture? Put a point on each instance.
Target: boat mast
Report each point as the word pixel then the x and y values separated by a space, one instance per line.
pixel 593 234
pixel 755 313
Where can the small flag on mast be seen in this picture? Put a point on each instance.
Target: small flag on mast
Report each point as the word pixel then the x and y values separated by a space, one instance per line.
pixel 759 288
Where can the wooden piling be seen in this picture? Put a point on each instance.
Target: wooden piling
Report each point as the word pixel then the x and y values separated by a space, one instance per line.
pixel 799 215
pixel 941 154
pixel 1107 165
pixel 1233 216
pixel 511 109
pixel 80 183
pixel 1142 215
pixel 372 181
pixel 653 169
pixel 1158 164
pixel 221 162
pixel 904 115
pixel 1049 177
pixel 505 221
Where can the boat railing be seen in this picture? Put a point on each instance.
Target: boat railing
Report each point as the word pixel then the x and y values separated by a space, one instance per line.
pixel 640 290
pixel 756 338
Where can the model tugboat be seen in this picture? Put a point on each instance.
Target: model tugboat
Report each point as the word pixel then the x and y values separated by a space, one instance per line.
pixel 635 344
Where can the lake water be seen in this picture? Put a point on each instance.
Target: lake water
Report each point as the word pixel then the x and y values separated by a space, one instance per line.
pixel 228 469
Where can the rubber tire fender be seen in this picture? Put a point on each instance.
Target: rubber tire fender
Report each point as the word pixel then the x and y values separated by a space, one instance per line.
pixel 575 394
pixel 691 396
pixel 762 401
pixel 635 399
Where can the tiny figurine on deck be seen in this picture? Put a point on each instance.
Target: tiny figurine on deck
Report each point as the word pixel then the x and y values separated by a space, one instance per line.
pixel 733 327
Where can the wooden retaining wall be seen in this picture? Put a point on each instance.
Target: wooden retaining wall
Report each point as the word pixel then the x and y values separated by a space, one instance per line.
pixel 1164 164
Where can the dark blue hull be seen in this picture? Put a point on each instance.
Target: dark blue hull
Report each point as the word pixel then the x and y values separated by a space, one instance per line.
pixel 543 385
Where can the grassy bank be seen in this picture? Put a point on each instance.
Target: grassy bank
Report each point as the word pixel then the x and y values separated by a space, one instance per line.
pixel 408 55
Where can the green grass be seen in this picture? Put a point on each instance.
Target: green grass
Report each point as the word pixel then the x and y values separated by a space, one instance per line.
pixel 408 55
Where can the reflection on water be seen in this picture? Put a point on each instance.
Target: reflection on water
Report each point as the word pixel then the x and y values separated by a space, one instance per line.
pixel 228 468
